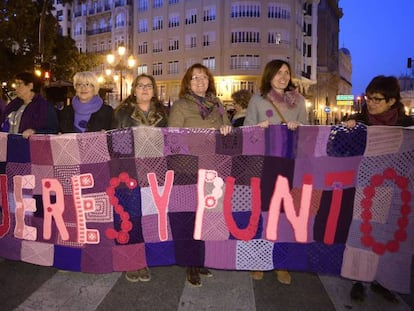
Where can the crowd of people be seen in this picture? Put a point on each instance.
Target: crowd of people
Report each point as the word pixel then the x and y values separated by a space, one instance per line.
pixel 277 102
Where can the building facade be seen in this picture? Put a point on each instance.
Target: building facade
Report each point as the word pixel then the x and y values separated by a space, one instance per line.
pixel 235 39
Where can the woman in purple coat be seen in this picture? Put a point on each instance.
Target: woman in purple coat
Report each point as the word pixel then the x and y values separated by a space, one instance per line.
pixel 29 113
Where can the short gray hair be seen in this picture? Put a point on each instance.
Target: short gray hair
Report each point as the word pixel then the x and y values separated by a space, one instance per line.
pixel 86 77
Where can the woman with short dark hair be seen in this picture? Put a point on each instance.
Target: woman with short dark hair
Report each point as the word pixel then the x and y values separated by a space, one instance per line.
pixel 29 113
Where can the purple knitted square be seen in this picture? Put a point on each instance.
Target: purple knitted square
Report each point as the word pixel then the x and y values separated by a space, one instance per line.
pixel 101 177
pixel 182 225
pixel 93 147
pixel 129 257
pixel 121 143
pixel 230 144
pixel 253 140
pixel 124 165
pixel 160 254
pixel 245 167
pixel 190 252
pixel 150 229
pixel 175 142
pixel 183 199
pixel 18 149
pixel 185 169
pixel 227 251
pixel 308 141
pixel 280 141
pixel 272 168
pixel 324 258
pixel 67 258
pixel 15 168
pixel 290 256
pixel 11 246
pixel 41 150
pixel 96 259
pixel 151 165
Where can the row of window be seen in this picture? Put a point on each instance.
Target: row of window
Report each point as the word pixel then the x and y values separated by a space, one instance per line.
pixel 209 14
pixel 243 62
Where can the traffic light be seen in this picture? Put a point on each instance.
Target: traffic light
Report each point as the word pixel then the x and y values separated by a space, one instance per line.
pixel 46 71
pixel 409 62
pixel 38 66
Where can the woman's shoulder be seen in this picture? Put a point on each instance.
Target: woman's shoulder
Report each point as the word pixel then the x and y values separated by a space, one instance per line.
pixel 106 108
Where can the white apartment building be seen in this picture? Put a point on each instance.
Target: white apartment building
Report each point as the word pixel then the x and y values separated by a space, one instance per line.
pixel 235 39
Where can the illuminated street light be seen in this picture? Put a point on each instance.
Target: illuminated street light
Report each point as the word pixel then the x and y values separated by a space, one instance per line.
pixel 121 66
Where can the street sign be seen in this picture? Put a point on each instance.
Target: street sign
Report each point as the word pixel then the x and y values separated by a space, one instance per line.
pixel 345 100
pixel 327 109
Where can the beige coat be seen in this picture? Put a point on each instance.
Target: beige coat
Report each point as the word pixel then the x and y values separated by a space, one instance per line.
pixel 185 113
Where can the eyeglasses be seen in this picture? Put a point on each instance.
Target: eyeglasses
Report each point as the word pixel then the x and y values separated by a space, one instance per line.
pixel 79 85
pixel 145 86
pixel 376 100
pixel 18 83
pixel 199 78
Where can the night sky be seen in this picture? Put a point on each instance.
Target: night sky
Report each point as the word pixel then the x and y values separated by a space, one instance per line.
pixel 380 37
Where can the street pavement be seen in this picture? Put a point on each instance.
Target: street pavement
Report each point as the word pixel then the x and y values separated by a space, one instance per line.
pixel 29 287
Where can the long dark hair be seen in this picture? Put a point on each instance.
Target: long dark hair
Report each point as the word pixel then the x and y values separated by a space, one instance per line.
pixel 269 73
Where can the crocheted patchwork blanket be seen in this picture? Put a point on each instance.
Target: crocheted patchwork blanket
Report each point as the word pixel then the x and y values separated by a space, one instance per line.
pixel 321 199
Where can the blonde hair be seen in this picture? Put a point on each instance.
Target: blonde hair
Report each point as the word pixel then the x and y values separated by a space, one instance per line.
pixel 86 77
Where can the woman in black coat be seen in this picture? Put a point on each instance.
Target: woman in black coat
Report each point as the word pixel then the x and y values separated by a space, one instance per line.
pixel 87 112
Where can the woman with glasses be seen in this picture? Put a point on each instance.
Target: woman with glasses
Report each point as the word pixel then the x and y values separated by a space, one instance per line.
pixel 87 112
pixel 383 105
pixel 29 113
pixel 199 107
pixel 142 107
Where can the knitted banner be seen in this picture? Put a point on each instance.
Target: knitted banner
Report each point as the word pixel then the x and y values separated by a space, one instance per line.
pixel 320 199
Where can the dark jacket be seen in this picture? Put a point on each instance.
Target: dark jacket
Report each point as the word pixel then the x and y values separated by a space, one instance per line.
pixel 128 115
pixel 100 120
pixel 39 115
pixel 402 119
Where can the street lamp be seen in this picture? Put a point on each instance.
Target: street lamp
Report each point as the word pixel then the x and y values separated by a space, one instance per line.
pixel 121 65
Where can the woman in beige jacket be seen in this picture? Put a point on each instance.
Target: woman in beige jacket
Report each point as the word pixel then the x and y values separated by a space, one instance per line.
pixel 199 107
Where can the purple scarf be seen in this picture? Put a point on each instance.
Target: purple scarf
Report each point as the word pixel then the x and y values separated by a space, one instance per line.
pixel 285 100
pixel 386 118
pixel 205 104
pixel 83 111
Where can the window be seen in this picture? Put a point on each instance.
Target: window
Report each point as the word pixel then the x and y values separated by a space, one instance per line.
pixel 142 69
pixel 173 21
pixel 190 41
pixel 209 14
pixel 157 4
pixel 245 37
pixel 59 15
pixel 157 23
pixel 210 63
pixel 173 68
pixel 245 9
pixel 143 25
pixel 143 48
pixel 173 44
pixel 157 69
pixel 209 38
pixel 274 37
pixel 245 62
pixel 142 5
pixel 120 20
pixel 157 46
pixel 191 17
pixel 278 12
